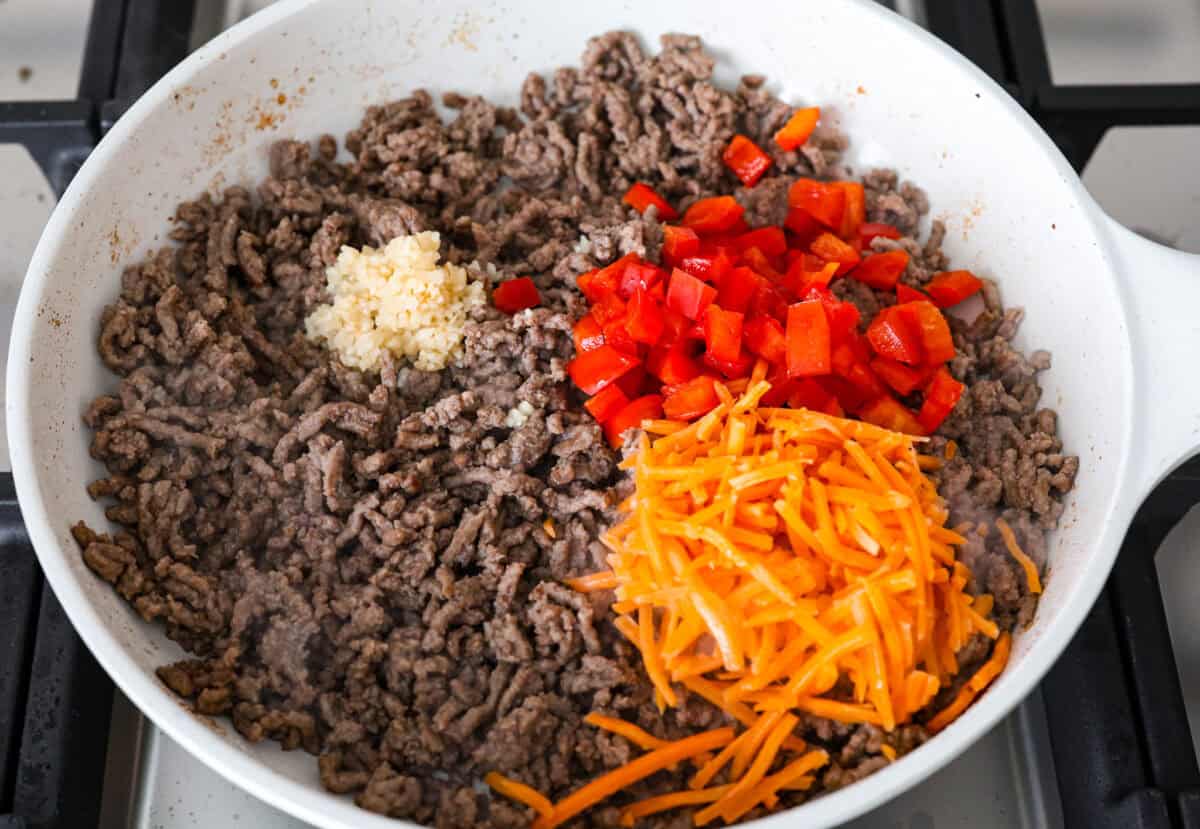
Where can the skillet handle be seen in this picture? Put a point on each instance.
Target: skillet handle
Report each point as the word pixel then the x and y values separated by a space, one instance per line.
pixel 1164 305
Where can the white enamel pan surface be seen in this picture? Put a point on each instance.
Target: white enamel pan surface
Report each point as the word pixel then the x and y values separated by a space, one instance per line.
pixel 1117 312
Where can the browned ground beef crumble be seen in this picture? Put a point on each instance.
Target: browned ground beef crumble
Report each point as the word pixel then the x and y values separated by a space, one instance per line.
pixel 358 562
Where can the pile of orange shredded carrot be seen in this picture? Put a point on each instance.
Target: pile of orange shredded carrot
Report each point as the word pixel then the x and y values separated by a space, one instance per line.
pixel 779 561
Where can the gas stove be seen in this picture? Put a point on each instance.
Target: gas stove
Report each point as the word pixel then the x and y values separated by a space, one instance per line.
pixel 1105 742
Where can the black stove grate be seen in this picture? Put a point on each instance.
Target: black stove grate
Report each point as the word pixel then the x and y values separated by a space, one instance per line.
pixel 1119 730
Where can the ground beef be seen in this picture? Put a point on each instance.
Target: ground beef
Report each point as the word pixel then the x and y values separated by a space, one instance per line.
pixel 369 566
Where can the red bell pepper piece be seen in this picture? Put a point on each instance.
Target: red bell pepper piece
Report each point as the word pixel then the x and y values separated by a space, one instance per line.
pixel 608 308
pixel 732 369
pixel 895 332
pixel 691 399
pixel 688 295
pixel 904 293
pixel 596 283
pixel 824 201
pixel 832 249
pixel 678 244
pixel 800 277
pixel 769 301
pixel 644 318
pixel 952 287
pixel 855 371
pixel 738 289
pixel 638 275
pixel 634 383
pixel 798 128
pixel 936 340
pixel 770 240
pixel 764 336
pixel 941 397
pixel 587 334
pixel 849 396
pixel 641 195
pixel 808 341
pixel 718 214
pixel 616 334
pixel 843 316
pixel 904 379
pixel 758 260
pixel 856 209
pixel 516 295
pixel 868 231
pixel 595 369
pixel 881 270
pixel 675 326
pixel 781 386
pixel 672 364
pixel 746 159
pixel 711 267
pixel 723 333
pixel 888 413
pixel 606 403
pixel 809 394
pixel 803 227
pixel 648 407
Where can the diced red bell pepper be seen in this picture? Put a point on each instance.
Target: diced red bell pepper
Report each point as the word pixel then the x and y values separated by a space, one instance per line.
pixel 595 369
pixel 675 326
pixel 678 244
pixel 808 341
pixel 824 201
pixel 641 195
pixel 798 128
pixel 849 396
pixel 616 334
pixel 764 336
pixel 606 403
pixel 516 295
pixel 770 240
pixel 587 334
pixel 869 231
pixel 758 260
pixel 672 364
pixel 952 287
pixel 648 407
pixel 843 316
pixel 904 379
pixel 635 382
pixel 723 333
pixel 804 228
pixel 856 209
pixel 644 318
pixel 732 369
pixel 847 365
pixel 941 397
pixel 746 159
pixel 710 267
pixel 881 270
pixel 691 399
pixel 769 301
pixel 936 340
pixel 718 214
pixel 738 289
pixel 638 275
pixel 904 293
pixel 608 308
pixel 596 284
pixel 895 332
pixel 832 249
pixel 800 277
pixel 889 413
pixel 781 386
pixel 688 295
pixel 809 394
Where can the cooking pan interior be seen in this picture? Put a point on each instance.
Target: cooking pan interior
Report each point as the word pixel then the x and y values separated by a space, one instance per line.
pixel 1013 208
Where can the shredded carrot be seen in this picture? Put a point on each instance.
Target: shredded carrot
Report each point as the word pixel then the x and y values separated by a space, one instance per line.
pixel 519 792
pixel 888 752
pixel 604 786
pixel 548 527
pixel 766 556
pixel 951 450
pixel 1014 549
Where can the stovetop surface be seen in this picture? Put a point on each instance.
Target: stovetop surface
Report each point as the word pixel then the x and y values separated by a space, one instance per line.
pixel 1144 176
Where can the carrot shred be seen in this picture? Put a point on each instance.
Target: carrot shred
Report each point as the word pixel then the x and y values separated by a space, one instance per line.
pixel 671 800
pixel 1014 549
pixel 975 685
pixel 515 790
pixel 628 730
pixel 614 781
pixel 606 580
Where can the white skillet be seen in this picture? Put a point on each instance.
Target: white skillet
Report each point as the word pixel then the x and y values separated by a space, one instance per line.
pixel 1119 313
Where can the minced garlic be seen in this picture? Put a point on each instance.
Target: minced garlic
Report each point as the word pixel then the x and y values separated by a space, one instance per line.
pixel 397 300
